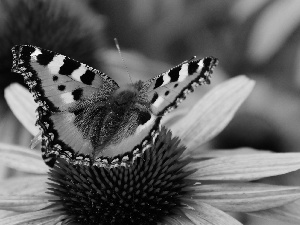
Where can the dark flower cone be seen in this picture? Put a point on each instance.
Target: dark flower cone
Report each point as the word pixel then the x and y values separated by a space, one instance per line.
pixel 145 193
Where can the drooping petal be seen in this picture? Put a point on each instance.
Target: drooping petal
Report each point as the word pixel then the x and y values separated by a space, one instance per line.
pixel 23 106
pixel 29 203
pixel 246 167
pixel 205 214
pixel 23 159
pixel 287 213
pixel 224 152
pixel 32 217
pixel 213 112
pixel 246 197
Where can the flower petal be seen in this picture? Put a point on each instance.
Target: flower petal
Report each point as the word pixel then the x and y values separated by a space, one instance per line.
pixel 25 185
pixel 27 203
pixel 23 106
pixel 246 197
pixel 205 214
pixel 22 159
pixel 5 213
pixel 179 220
pixel 32 217
pixel 265 39
pixel 213 112
pixel 224 152
pixel 246 167
pixel 287 213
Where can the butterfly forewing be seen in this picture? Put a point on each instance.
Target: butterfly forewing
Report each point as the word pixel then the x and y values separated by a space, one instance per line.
pixel 168 89
pixel 62 80
pixel 58 83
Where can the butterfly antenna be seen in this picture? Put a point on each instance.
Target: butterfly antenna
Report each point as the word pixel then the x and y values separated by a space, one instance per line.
pixel 189 60
pixel 119 50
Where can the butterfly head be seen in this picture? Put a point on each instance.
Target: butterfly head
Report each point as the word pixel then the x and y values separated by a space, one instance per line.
pixel 126 94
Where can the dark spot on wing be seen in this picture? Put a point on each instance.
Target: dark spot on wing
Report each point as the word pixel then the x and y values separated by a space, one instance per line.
pixel 144 117
pixel 69 66
pixel 174 74
pixel 55 78
pixel 26 51
pixel 61 87
pixel 77 94
pixel 167 92
pixel 155 96
pixel 207 62
pixel 45 58
pixel 192 68
pixel 87 77
pixel 159 82
pixel 175 85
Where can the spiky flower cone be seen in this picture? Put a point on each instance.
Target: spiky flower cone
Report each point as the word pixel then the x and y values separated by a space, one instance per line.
pixel 144 193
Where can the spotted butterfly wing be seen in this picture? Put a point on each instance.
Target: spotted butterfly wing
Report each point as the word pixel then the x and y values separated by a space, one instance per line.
pixel 169 89
pixel 59 83
pixel 87 118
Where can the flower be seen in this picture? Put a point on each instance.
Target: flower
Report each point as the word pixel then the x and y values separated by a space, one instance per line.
pixel 169 184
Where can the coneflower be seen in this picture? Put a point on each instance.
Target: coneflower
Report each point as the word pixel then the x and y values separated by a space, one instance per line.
pixel 172 183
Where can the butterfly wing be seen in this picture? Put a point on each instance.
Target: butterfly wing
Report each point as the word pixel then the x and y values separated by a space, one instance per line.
pixel 59 83
pixel 167 90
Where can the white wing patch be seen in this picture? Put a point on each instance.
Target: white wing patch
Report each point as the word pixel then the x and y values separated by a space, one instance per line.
pixel 67 98
pixel 158 102
pixel 167 79
pixel 56 63
pixel 183 73
pixel 36 53
pixel 79 72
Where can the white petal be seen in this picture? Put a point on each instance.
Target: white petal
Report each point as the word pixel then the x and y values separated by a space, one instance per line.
pixel 266 38
pixel 29 203
pixel 179 220
pixel 170 119
pixel 196 154
pixel 246 197
pixel 213 112
pixel 246 167
pixel 25 185
pixel 23 106
pixel 205 214
pixel 5 213
pixel 287 213
pixel 22 159
pixel 30 218
pixel 243 9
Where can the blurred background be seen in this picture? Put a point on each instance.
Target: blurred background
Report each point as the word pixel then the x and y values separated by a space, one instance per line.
pixel 259 38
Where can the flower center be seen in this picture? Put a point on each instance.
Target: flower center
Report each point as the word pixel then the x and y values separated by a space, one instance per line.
pixel 145 193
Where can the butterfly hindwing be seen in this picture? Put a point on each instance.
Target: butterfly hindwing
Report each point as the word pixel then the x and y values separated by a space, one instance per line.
pixel 59 83
pixel 168 89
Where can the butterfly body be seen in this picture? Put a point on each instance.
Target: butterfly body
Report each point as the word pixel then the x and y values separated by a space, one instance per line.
pixel 87 118
pixel 107 121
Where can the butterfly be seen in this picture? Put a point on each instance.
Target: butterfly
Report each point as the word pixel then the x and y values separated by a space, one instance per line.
pixel 86 118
